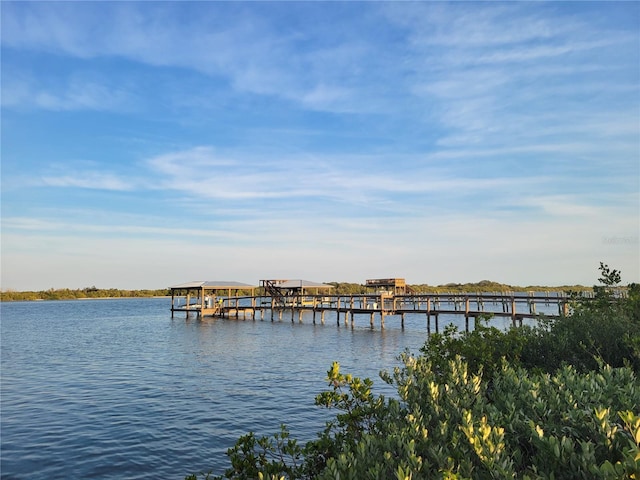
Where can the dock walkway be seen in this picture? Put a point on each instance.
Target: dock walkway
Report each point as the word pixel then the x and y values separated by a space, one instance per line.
pixel 345 308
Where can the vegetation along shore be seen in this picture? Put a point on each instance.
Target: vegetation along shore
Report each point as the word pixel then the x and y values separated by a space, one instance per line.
pixel 340 288
pixel 559 400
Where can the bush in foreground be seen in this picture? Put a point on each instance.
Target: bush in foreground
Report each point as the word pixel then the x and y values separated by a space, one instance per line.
pixel 455 424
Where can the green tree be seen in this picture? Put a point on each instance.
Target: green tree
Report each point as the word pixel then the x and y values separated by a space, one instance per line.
pixel 452 423
pixel 605 328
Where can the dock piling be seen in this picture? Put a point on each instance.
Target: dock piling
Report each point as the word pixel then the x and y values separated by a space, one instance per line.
pixel 471 305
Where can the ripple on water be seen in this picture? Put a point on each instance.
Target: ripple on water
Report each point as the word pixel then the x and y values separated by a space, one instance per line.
pixel 117 389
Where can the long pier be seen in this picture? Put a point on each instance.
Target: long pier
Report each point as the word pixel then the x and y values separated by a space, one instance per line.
pixel 345 308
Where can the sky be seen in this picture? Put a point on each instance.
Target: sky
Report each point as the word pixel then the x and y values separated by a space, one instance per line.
pixel 148 144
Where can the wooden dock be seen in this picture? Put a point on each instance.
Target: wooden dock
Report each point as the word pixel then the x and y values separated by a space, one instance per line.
pixel 347 309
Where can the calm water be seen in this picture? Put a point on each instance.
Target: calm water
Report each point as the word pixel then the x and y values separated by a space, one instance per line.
pixel 113 389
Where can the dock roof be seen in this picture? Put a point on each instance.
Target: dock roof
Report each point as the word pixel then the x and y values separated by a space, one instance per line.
pixel 386 282
pixel 212 285
pixel 300 284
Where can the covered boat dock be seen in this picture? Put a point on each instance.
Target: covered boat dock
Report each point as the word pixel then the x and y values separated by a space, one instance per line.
pixel 288 292
pixel 206 297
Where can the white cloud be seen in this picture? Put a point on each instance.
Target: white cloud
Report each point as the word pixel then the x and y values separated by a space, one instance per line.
pixel 563 206
pixel 78 92
pixel 429 248
pixel 58 227
pixel 190 161
pixel 355 181
pixel 225 42
pixel 90 180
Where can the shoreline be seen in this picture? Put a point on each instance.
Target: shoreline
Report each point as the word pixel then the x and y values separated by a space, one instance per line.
pixel 30 296
pixel 124 297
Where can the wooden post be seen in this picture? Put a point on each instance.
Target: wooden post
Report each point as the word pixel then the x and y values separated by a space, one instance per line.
pixel 466 315
pixel 172 300
pixel 315 305
pixel 272 303
pixel 322 316
pixel 402 320
pixel 371 320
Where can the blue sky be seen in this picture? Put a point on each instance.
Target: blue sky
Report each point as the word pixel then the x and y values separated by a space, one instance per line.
pixel 149 144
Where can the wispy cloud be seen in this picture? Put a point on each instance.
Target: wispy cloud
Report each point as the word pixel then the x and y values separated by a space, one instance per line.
pixel 251 54
pixel 341 186
pixel 79 92
pixel 345 180
pixel 119 229
pixel 89 180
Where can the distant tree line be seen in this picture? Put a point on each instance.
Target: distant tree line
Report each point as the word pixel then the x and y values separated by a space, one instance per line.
pixel 484 286
pixel 69 294
pixel 340 288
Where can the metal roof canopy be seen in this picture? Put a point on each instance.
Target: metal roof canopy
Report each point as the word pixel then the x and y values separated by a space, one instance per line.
pixel 291 287
pixel 386 282
pixel 213 285
pixel 298 284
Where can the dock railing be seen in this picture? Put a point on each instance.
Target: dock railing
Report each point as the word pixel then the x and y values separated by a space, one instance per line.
pixel 517 306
